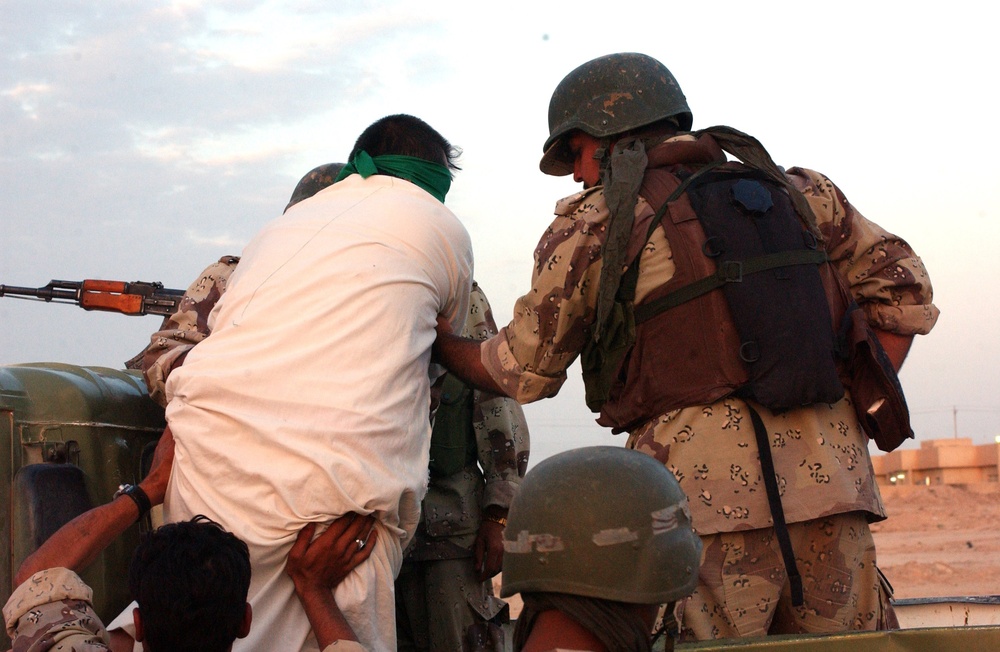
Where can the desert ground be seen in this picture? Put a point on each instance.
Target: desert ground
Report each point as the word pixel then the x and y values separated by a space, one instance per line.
pixel 939 541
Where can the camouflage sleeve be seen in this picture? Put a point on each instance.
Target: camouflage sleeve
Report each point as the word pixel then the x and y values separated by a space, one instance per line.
pixel 886 277
pixel 52 610
pixel 551 323
pixel 185 328
pixel 498 421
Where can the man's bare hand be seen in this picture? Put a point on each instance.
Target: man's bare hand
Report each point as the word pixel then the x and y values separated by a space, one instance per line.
pixel 443 331
pixel 155 482
pixel 325 562
pixel 488 550
pixel 443 326
pixel 317 567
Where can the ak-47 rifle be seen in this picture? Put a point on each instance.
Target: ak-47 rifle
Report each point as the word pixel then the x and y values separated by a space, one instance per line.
pixel 136 298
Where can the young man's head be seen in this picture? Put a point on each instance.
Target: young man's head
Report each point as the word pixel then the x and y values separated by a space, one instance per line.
pixel 405 135
pixel 190 580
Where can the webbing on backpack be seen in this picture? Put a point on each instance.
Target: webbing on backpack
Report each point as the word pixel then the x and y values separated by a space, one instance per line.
pixel 730 271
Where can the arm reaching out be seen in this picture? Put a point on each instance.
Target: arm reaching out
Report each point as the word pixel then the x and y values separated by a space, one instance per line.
pixel 317 567
pixel 77 544
pixel 461 356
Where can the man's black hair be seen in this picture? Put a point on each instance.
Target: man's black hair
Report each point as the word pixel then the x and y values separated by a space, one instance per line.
pixel 406 135
pixel 191 581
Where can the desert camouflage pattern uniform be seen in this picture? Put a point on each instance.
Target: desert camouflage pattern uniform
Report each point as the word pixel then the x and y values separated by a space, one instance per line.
pixel 820 452
pixel 52 610
pixel 440 602
pixel 186 327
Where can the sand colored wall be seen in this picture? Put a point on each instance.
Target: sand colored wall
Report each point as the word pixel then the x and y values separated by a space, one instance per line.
pixel 939 461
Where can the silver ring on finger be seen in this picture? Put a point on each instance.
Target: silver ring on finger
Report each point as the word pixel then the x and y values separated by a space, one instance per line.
pixel 361 543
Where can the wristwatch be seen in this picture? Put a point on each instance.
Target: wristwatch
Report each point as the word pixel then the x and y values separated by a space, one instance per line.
pixel 136 493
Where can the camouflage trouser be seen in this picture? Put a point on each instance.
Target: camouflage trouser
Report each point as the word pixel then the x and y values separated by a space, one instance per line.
pixel 442 606
pixel 743 589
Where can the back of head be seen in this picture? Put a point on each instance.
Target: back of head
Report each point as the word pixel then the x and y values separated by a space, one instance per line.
pixel 191 581
pixel 601 522
pixel 610 95
pixel 406 135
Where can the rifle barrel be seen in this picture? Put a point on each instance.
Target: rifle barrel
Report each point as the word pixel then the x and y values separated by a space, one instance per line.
pixel 50 292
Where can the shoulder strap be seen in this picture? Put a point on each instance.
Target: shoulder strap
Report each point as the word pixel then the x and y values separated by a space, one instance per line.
pixel 730 271
pixel 630 278
pixel 750 151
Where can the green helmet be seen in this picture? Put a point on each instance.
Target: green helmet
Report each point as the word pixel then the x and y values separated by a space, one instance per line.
pixel 601 522
pixel 315 180
pixel 607 96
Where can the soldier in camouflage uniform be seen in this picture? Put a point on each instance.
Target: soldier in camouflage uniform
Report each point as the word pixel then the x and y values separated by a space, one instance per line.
pixel 820 451
pixel 444 594
pixel 182 330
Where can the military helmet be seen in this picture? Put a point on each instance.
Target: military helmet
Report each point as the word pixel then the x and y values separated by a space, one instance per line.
pixel 601 522
pixel 610 95
pixel 315 180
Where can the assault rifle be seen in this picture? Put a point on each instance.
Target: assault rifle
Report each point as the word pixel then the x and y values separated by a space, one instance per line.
pixel 136 298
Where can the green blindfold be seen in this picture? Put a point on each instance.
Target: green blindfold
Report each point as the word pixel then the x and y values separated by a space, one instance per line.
pixel 432 177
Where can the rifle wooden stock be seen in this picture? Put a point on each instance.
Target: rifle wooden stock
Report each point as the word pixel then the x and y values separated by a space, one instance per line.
pixel 137 298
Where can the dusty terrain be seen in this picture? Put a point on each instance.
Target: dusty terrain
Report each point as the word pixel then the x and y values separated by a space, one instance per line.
pixel 939 541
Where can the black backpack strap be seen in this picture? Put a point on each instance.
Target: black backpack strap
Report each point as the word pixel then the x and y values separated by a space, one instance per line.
pixel 774 503
pixel 729 271
pixel 749 151
pixel 626 291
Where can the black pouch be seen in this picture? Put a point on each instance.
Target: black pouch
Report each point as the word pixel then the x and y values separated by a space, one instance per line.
pixel 875 390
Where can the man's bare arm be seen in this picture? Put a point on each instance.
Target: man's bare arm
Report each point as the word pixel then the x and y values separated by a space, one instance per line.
pixel 462 357
pixel 896 346
pixel 76 544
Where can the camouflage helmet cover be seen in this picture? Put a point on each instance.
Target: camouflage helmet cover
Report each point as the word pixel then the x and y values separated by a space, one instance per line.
pixel 315 180
pixel 602 522
pixel 607 96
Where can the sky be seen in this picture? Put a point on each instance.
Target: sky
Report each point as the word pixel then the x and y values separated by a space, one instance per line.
pixel 144 140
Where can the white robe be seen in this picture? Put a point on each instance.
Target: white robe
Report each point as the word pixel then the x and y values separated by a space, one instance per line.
pixel 310 398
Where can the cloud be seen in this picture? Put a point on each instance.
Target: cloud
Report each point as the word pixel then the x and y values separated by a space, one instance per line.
pixel 221 241
pixel 144 140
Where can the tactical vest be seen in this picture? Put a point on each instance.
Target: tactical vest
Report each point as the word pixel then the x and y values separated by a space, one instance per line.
pixel 768 334
pixel 783 329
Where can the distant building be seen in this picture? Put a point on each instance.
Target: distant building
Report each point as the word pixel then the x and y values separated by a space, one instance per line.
pixel 939 461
